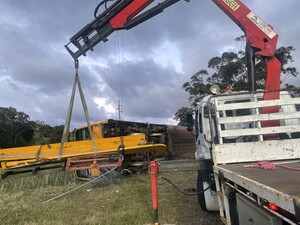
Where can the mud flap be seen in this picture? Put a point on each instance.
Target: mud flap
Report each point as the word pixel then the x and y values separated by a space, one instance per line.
pixel 297 209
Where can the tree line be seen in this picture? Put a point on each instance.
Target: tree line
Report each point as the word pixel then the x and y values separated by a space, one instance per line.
pixel 16 130
pixel 230 71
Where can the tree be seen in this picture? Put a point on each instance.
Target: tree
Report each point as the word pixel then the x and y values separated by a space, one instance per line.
pixel 181 116
pixel 45 133
pixel 196 87
pixel 42 132
pixel 56 134
pixel 230 70
pixel 16 129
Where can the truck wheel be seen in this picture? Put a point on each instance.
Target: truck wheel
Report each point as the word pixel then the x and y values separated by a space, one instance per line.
pixel 201 197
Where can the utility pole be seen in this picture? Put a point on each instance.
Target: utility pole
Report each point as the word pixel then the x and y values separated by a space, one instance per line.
pixel 119 109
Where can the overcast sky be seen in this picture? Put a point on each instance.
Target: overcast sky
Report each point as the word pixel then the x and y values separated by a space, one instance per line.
pixel 144 67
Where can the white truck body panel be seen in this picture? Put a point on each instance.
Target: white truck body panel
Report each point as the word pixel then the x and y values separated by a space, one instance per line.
pixel 256 151
pixel 233 136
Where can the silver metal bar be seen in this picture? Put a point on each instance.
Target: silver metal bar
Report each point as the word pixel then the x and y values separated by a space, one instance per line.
pixel 259 117
pixel 258 131
pixel 259 104
pixel 184 165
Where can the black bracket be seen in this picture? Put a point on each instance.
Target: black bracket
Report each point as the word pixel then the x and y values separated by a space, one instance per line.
pixel 100 28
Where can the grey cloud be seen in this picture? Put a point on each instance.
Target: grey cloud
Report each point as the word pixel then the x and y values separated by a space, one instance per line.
pixel 36 72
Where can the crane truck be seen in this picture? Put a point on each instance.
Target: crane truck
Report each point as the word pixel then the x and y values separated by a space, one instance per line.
pixel 248 145
pixel 240 135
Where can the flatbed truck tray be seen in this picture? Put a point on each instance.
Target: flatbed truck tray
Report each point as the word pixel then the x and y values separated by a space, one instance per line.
pixel 280 186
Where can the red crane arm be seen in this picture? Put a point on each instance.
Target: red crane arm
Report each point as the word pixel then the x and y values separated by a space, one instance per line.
pixel 134 8
pixel 125 14
pixel 259 34
pixel 262 38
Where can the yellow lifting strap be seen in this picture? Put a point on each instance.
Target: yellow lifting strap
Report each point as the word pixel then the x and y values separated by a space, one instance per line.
pixel 37 155
pixel 69 115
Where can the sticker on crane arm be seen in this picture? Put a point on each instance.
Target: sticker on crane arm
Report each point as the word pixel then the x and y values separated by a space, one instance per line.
pixel 232 4
pixel 262 25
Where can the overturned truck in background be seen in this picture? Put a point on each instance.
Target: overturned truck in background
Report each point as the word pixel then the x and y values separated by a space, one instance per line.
pixel 127 145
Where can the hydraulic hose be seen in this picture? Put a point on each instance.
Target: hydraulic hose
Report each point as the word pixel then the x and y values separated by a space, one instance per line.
pixel 185 193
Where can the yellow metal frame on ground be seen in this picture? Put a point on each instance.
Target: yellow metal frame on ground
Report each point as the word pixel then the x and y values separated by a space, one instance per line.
pixel 133 144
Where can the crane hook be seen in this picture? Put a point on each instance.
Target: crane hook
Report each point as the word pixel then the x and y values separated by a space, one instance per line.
pixel 76 62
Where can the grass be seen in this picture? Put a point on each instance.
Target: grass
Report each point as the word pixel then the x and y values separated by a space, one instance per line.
pixel 14 185
pixel 127 202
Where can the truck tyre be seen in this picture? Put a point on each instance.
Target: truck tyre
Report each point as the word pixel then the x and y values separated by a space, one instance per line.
pixel 201 197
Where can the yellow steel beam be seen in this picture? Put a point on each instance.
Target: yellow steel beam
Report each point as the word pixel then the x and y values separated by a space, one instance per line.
pixel 133 144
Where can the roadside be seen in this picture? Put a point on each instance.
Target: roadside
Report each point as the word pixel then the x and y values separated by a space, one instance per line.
pixel 127 202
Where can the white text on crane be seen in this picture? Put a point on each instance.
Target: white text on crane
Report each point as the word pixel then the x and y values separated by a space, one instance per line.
pixel 262 25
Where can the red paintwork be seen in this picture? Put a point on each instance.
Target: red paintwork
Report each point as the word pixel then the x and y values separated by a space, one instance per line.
pixel 153 171
pixel 128 12
pixel 266 47
pixel 77 163
pixel 256 37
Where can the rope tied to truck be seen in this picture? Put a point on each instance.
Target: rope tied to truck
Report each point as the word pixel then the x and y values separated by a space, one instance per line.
pixel 272 166
pixel 38 153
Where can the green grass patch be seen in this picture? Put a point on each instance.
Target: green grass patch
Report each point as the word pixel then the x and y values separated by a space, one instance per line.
pixel 127 202
pixel 14 185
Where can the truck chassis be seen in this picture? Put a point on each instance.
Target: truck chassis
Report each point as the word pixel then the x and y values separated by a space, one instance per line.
pixel 262 187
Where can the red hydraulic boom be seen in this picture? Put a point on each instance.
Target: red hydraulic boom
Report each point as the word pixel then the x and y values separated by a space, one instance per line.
pixel 124 14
